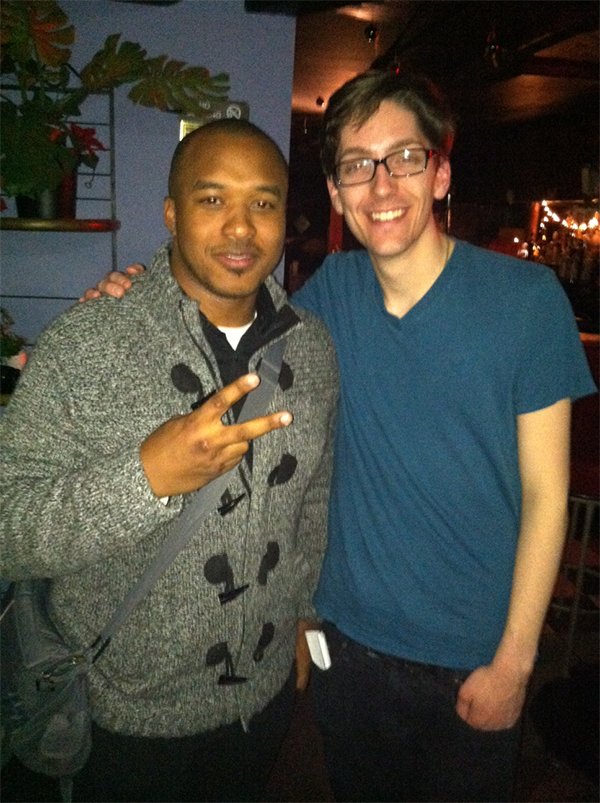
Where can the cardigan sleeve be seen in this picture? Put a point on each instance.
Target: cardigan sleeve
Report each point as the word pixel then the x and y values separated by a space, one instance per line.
pixel 67 501
pixel 313 522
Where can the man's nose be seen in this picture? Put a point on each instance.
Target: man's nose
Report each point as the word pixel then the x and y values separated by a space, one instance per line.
pixel 382 178
pixel 239 224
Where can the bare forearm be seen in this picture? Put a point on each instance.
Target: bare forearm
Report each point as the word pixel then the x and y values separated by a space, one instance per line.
pixel 492 697
pixel 538 557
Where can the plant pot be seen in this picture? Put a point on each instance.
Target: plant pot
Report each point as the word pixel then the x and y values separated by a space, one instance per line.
pixel 60 202
pixel 66 199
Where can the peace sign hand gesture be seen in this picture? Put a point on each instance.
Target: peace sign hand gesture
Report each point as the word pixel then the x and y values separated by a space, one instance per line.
pixel 189 451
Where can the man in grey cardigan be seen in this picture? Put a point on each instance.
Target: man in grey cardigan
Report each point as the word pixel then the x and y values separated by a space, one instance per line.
pixel 127 407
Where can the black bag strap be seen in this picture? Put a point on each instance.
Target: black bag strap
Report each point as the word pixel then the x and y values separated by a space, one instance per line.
pixel 203 502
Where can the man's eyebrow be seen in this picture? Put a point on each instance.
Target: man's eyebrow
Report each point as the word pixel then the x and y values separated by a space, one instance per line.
pixel 273 189
pixel 207 185
pixel 363 152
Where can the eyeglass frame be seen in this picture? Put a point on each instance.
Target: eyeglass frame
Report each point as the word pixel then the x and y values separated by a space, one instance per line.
pixel 429 153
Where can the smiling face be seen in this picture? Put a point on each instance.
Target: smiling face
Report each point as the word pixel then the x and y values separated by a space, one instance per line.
pixel 391 217
pixel 226 215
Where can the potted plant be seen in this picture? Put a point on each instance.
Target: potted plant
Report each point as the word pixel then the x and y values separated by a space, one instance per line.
pixel 40 142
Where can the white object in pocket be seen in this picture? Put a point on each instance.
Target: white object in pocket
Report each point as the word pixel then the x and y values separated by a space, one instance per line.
pixel 317 646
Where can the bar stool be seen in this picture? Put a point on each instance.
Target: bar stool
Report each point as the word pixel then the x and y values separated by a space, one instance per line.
pixel 579 564
pixel 580 560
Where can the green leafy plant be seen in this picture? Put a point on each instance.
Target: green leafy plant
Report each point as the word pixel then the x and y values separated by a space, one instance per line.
pixel 39 141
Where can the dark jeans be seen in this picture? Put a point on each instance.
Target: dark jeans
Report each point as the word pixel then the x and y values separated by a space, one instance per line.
pixel 228 764
pixel 391 732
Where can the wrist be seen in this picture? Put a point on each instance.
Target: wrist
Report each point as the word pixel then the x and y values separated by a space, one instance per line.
pixel 515 659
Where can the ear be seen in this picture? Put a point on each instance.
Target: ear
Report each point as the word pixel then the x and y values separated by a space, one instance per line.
pixel 334 194
pixel 443 177
pixel 169 214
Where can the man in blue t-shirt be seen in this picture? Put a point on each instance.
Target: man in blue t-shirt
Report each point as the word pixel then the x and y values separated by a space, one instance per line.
pixel 449 497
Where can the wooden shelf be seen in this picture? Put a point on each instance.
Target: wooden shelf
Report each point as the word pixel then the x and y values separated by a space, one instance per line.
pixel 88 226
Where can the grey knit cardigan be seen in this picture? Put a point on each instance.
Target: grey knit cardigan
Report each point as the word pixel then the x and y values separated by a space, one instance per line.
pixel 76 507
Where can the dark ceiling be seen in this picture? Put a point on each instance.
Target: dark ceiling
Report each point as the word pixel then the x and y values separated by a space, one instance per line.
pixel 501 61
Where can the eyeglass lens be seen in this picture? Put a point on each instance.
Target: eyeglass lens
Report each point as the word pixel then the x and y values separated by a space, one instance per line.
pixel 406 162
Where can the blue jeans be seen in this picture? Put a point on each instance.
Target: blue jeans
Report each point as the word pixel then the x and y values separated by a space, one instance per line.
pixel 391 733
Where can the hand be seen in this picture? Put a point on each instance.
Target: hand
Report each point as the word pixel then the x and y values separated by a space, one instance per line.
pixel 114 284
pixel 491 698
pixel 188 451
pixel 303 660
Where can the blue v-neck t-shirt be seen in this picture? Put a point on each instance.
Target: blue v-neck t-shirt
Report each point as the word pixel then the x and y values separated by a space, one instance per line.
pixel 425 503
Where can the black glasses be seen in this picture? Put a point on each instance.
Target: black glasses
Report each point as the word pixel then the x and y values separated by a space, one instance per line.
pixel 399 164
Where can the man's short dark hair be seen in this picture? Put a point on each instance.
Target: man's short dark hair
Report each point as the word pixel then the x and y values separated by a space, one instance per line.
pixel 228 126
pixel 358 99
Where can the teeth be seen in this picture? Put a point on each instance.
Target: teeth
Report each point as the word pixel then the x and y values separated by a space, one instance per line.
pixel 384 216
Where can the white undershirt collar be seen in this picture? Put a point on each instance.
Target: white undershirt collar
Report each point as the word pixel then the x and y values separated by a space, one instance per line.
pixel 235 333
